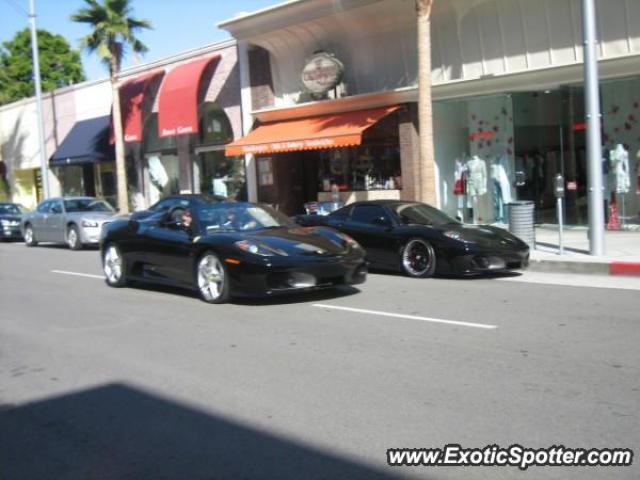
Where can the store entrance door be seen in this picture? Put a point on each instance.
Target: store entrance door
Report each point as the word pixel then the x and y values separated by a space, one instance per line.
pixel 296 180
pixel 549 139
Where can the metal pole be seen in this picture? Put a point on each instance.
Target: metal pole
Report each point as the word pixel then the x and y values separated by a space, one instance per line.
pixel 594 145
pixel 560 226
pixel 36 78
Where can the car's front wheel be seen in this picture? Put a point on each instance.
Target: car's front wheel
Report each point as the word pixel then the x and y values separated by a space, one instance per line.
pixel 114 266
pixel 212 279
pixel 73 238
pixel 418 258
pixel 29 236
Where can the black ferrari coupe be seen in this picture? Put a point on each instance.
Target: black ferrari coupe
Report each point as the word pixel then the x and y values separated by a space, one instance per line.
pixel 222 249
pixel 420 240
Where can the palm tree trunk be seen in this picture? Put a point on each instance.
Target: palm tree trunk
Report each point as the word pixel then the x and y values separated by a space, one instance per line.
pixel 426 170
pixel 121 171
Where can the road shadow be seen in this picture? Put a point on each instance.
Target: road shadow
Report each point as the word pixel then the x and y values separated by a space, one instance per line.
pixel 280 299
pixel 116 431
pixel 449 276
pixel 63 246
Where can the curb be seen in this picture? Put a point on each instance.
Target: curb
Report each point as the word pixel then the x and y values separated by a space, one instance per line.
pixel 593 268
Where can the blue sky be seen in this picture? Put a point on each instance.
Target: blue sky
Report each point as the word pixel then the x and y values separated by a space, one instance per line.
pixel 178 25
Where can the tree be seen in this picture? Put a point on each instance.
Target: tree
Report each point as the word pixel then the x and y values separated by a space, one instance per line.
pixel 427 187
pixel 60 65
pixel 114 33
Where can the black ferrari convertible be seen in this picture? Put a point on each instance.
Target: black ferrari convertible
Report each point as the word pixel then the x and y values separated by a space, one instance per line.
pixel 222 249
pixel 421 241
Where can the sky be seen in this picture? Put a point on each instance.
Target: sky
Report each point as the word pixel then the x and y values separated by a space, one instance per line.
pixel 177 25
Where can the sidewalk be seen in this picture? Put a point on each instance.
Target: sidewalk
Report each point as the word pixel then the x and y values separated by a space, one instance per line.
pixel 622 252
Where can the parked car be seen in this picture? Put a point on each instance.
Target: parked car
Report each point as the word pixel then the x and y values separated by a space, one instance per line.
pixel 75 221
pixel 221 249
pixel 165 204
pixel 420 240
pixel 10 215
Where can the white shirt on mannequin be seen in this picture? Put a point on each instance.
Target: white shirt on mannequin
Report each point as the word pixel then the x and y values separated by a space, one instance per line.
pixel 619 159
pixel 477 179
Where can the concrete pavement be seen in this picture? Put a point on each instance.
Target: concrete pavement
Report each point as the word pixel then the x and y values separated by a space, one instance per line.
pixel 622 252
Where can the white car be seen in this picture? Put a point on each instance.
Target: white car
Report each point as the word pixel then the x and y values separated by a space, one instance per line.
pixel 76 221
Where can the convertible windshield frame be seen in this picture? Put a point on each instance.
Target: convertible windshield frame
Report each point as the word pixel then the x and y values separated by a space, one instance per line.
pixel 239 217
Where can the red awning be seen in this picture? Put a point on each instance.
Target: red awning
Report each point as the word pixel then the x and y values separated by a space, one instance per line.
pixel 131 100
pixel 178 104
pixel 310 133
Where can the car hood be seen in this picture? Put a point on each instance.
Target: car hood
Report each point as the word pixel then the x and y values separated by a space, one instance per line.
pixel 486 235
pixel 300 241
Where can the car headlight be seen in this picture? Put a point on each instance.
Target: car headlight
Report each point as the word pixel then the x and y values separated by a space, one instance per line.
pixel 5 223
pixel 456 236
pixel 259 249
pixel 89 223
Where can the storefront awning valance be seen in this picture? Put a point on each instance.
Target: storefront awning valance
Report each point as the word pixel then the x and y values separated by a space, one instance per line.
pixel 310 133
pixel 132 94
pixel 178 103
pixel 87 142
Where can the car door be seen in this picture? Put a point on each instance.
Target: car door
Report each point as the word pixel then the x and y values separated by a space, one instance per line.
pixel 54 223
pixel 38 221
pixel 169 251
pixel 372 227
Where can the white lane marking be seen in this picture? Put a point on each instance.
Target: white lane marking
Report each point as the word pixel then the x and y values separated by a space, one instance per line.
pixel 409 317
pixel 101 277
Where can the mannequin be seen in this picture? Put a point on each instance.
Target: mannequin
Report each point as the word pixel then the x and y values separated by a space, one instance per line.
pixel 460 187
pixel 501 189
pixel 476 182
pixel 619 159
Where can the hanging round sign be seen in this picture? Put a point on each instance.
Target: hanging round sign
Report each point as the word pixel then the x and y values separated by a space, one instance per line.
pixel 322 72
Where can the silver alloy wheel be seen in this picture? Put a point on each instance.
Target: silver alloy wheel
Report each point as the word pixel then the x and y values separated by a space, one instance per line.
pixel 72 238
pixel 113 265
pixel 28 235
pixel 211 277
pixel 417 258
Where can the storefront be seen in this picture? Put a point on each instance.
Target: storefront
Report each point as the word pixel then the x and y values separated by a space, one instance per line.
pixel 495 149
pixel 355 155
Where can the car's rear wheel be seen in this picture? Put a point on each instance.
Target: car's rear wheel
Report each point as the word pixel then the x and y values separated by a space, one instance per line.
pixel 73 238
pixel 418 258
pixel 114 266
pixel 212 279
pixel 29 236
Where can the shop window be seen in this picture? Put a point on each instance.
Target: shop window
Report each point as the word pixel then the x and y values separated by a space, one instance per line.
pixel 152 141
pixel 71 180
pixel 215 128
pixel 220 175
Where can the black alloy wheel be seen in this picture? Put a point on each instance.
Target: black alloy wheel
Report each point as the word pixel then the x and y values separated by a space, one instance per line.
pixel 418 259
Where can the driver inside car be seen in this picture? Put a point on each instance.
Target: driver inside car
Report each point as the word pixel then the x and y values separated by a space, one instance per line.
pixel 239 222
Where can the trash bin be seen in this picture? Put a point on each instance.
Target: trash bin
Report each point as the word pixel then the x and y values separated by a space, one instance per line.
pixel 521 221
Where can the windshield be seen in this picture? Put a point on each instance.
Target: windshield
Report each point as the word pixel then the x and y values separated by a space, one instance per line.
pixel 9 209
pixel 87 205
pixel 422 214
pixel 240 217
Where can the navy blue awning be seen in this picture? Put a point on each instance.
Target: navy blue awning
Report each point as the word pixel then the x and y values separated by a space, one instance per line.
pixel 87 142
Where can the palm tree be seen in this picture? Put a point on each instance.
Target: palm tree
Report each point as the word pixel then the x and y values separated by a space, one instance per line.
pixel 114 33
pixel 426 170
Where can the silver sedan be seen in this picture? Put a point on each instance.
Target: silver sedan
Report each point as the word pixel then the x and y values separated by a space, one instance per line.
pixel 76 221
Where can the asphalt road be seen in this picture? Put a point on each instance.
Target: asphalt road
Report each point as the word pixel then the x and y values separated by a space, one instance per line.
pixel 139 383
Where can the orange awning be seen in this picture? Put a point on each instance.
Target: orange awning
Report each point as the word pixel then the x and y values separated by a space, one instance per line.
pixel 310 133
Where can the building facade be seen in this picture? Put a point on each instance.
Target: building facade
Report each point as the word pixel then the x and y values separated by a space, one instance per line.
pixel 318 98
pixel 507 101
